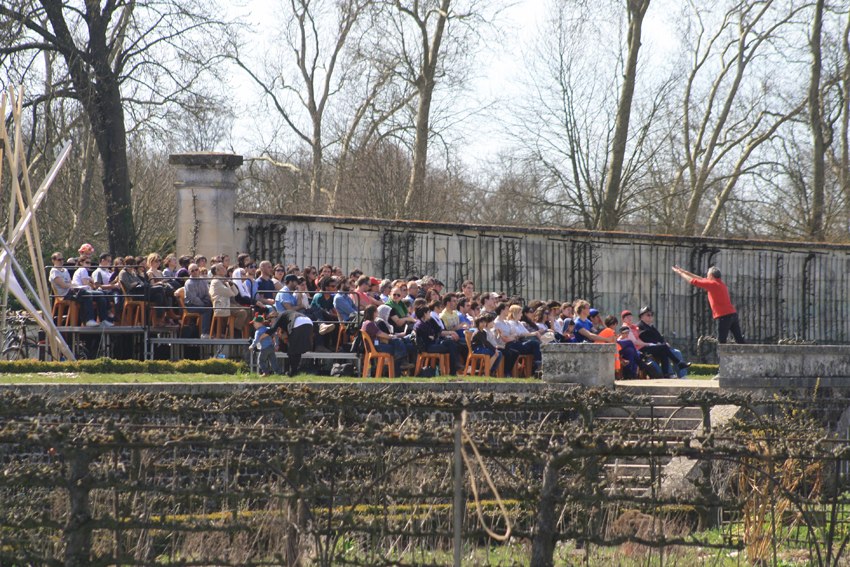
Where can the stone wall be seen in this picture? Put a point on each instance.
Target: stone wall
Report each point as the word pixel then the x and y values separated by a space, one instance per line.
pixel 781 289
pixel 777 368
pixel 587 364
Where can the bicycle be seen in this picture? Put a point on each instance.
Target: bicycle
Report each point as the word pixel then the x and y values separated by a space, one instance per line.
pixel 16 342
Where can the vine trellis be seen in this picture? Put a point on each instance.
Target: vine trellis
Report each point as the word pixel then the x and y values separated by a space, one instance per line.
pixel 283 475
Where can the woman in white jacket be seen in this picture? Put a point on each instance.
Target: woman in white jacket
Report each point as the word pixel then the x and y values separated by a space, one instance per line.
pixel 222 292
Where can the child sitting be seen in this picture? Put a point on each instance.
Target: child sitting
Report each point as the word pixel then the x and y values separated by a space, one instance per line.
pixel 481 343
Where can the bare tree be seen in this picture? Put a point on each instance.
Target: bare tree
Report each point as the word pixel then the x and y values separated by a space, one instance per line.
pixel 430 21
pixel 816 124
pixel 636 10
pixel 722 126
pixel 566 125
pixel 316 53
pixel 117 56
pixel 376 101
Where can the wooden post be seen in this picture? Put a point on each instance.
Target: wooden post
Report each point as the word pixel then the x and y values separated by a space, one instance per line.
pixel 457 526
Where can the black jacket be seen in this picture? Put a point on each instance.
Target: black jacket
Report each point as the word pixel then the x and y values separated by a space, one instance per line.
pixel 649 334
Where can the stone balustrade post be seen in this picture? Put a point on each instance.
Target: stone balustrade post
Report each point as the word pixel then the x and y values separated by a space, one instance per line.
pixel 206 201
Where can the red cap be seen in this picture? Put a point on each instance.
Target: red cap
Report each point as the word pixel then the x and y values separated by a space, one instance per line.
pixel 374 281
pixel 624 313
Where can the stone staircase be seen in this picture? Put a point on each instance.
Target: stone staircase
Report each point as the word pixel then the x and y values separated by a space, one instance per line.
pixel 669 423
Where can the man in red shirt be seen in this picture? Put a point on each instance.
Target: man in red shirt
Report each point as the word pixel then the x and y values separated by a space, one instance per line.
pixel 718 298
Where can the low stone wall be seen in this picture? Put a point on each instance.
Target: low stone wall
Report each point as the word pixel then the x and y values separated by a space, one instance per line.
pixel 587 364
pixel 784 367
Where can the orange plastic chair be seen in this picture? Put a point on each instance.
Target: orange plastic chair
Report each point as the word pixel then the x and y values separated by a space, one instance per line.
pixel 523 365
pixel 185 316
pixel 476 364
pixel 66 312
pixel 134 310
pixel 222 327
pixel 432 359
pixel 381 359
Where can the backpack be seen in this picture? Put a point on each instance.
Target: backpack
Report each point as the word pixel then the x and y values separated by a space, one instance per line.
pixel 427 372
pixel 650 367
pixel 340 369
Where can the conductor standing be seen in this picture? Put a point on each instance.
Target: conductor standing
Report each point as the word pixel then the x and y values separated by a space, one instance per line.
pixel 718 298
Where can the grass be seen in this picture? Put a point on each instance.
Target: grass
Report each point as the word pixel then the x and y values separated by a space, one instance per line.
pixel 140 378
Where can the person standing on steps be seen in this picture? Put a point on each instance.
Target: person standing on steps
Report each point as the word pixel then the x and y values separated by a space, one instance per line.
pixel 718 298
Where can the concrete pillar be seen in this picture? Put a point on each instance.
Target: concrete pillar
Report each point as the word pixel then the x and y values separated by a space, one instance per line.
pixel 206 200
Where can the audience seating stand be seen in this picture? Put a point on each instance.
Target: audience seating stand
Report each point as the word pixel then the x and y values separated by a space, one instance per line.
pixel 381 359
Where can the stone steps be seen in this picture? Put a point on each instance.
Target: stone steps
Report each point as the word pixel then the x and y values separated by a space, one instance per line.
pixel 670 422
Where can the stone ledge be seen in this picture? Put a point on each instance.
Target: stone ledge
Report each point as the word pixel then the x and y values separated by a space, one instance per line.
pixel 208 160
pixel 587 364
pixel 780 367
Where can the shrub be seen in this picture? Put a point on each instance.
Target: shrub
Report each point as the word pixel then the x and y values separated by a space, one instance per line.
pixel 703 369
pixel 111 366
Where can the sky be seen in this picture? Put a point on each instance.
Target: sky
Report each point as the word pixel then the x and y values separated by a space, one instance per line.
pixel 501 76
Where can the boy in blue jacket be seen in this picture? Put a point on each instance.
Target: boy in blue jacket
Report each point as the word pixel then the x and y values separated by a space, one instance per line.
pixel 264 343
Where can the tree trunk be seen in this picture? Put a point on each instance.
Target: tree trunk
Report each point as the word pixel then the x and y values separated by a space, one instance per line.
pixel 77 534
pixel 108 128
pixel 99 92
pixel 425 85
pixel 543 542
pixel 317 165
pixel 844 171
pixel 416 184
pixel 608 218
pixel 816 216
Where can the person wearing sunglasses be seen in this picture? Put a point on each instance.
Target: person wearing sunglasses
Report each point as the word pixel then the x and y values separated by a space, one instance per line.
pixel 399 318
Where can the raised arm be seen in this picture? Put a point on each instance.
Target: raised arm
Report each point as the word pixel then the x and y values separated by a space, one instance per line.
pixel 684 274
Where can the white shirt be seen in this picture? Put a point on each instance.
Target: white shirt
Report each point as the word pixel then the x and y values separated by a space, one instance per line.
pixel 517 328
pixel 60 274
pixel 502 327
pixel 102 276
pixel 558 326
pixel 241 280
pixel 81 278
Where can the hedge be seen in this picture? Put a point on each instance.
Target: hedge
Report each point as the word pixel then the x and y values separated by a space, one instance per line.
pixel 211 366
pixel 112 366
pixel 703 369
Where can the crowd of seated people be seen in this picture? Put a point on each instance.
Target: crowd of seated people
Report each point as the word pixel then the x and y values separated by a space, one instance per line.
pixel 402 317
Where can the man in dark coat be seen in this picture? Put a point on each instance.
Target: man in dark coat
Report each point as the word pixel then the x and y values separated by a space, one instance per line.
pixel 299 329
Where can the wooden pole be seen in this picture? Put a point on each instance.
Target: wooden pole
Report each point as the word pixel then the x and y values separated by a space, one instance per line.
pixel 35 253
pixel 4 143
pixel 19 172
pixel 27 216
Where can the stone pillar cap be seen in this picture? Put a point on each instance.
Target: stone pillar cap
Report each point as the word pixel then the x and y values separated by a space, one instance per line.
pixel 207 160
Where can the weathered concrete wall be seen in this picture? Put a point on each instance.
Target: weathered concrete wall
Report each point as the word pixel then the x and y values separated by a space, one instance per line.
pixel 206 200
pixel 781 289
pixel 587 364
pixel 767 368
